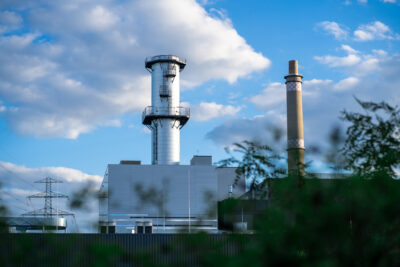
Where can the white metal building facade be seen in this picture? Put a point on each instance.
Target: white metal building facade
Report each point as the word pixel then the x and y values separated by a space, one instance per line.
pixel 170 198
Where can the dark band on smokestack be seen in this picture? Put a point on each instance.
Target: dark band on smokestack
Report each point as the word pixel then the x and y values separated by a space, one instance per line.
pixel 295 135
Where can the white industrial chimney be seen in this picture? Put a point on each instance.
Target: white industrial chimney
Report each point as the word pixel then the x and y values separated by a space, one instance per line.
pixel 165 117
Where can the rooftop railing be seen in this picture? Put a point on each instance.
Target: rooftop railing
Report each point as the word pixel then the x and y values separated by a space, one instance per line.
pixel 165 58
pixel 151 113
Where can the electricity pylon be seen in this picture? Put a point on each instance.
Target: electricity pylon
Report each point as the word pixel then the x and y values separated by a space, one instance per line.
pixel 48 195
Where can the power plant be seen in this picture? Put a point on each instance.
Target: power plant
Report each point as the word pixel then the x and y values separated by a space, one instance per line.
pixel 167 197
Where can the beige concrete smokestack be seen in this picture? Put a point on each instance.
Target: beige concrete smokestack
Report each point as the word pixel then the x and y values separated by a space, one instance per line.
pixel 295 136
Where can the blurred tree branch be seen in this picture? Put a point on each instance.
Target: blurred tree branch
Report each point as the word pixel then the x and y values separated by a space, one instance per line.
pixel 372 146
pixel 258 165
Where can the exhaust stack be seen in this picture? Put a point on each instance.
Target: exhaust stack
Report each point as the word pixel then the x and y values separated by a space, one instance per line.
pixel 165 117
pixel 295 135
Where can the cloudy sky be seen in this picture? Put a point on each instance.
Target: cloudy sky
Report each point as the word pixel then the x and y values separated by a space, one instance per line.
pixel 73 83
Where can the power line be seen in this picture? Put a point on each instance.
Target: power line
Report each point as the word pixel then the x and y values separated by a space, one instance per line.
pixel 25 203
pixel 8 153
pixel 11 195
pixel 15 206
pixel 5 192
pixel 15 176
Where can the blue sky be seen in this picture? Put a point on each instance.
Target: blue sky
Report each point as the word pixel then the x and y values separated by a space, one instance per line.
pixel 73 83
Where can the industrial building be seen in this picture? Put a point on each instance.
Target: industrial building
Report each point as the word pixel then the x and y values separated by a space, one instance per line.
pixel 166 197
pixel 41 224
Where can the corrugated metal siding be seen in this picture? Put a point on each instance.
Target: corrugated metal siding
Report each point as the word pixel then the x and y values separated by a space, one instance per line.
pixel 113 250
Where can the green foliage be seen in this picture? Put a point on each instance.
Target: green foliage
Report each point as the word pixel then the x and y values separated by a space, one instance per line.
pixel 334 156
pixel 372 147
pixel 350 221
pixel 257 165
pixel 341 222
pixel 104 255
pixel 83 196
pixel 3 213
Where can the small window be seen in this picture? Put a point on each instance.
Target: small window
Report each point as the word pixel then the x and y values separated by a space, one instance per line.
pixel 139 229
pixel 111 229
pixel 103 229
pixel 148 229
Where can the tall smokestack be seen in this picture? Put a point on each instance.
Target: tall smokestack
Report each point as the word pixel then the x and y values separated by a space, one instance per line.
pixel 295 136
pixel 165 117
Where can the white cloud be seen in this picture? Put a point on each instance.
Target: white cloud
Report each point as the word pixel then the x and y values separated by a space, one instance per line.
pixel 9 21
pixel 316 83
pixel 349 49
pixel 367 32
pixel 10 18
pixel 389 1
pixel 85 68
pixel 357 63
pixel 315 87
pixel 333 61
pixel 206 2
pixel 362 1
pixel 374 31
pixel 62 173
pixel 334 29
pixel 346 84
pixel 273 94
pixel 100 18
pixel 273 97
pixel 210 110
pixel 375 64
pixel 266 129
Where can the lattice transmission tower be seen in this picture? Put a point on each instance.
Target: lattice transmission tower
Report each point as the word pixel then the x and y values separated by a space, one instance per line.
pixel 48 195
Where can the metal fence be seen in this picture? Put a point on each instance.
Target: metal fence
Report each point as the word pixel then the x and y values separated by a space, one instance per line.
pixel 116 249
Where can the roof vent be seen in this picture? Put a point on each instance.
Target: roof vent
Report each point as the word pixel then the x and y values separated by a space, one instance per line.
pixel 201 160
pixel 130 162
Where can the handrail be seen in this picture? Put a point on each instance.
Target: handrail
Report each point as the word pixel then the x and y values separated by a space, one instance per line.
pixel 149 61
pixel 166 111
pixel 165 57
pixel 151 113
